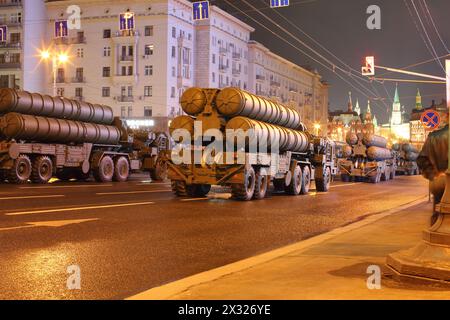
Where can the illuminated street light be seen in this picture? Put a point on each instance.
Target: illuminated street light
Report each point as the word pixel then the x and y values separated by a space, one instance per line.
pixel 57 59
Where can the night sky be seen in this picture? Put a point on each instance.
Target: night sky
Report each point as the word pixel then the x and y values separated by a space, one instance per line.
pixel 340 26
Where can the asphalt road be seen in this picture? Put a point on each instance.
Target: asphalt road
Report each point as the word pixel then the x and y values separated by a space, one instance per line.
pixel 130 237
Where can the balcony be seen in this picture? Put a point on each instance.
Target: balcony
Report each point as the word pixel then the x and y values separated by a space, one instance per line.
pixel 10 4
pixel 10 65
pixel 11 45
pixel 69 41
pixel 260 77
pixel 125 98
pixel 60 80
pixel 78 79
pixel 78 40
pixel 126 58
pixel 223 68
pixel 274 83
pixel 236 56
pixel 126 33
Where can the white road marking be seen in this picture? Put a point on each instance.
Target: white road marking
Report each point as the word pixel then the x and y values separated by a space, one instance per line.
pixel 75 186
pixel 53 224
pixel 33 197
pixel 131 192
pixel 345 185
pixel 79 208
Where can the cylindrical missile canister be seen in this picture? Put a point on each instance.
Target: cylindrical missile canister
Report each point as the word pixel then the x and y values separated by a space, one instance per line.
pixel 55 107
pixel 232 102
pixel 411 156
pixel 371 140
pixel 42 129
pixel 182 123
pixel 193 101
pixel 265 134
pixel 347 151
pixel 408 147
pixel 378 154
pixel 351 139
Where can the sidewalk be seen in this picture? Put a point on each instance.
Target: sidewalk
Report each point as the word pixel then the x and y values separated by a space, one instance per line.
pixel 330 267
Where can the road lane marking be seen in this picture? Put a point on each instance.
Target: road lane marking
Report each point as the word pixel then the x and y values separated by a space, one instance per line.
pixel 170 290
pixel 131 192
pixel 79 208
pixel 345 185
pixel 75 186
pixel 33 197
pixel 53 224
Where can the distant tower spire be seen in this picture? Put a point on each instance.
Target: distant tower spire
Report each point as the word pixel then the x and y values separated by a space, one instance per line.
pixel 368 116
pixel 357 108
pixel 418 101
pixel 350 103
pixel 396 117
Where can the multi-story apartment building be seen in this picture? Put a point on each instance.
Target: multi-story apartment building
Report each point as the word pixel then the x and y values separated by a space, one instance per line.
pixel 139 70
pixel 139 56
pixel 22 25
pixel 273 76
pixel 222 51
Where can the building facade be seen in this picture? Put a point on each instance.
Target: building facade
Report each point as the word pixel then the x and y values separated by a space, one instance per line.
pixel 22 28
pixel 140 56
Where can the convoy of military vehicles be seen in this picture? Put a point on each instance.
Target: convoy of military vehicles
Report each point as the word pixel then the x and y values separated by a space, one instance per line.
pixel 227 137
pixel 42 137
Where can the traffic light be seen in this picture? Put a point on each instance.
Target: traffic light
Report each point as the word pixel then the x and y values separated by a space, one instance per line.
pixel 369 68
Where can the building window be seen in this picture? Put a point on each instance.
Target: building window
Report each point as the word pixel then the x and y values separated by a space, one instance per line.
pixel 213 58
pixel 124 71
pixel 148 70
pixel 174 72
pixel 174 32
pixel 78 92
pixel 107 33
pixel 107 51
pixel 174 52
pixel 123 112
pixel 149 49
pixel 60 92
pixel 213 77
pixel 148 91
pixel 130 70
pixel 172 92
pixel 106 92
pixel 80 53
pixel 149 31
pixel 106 72
pixel 130 112
pixel 148 112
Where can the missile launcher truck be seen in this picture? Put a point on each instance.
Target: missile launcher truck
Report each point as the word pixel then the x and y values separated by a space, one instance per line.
pixel 299 159
pixel 369 160
pixel 406 155
pixel 43 136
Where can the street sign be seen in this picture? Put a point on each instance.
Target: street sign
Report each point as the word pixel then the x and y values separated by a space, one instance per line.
pixel 61 29
pixel 279 3
pixel 200 10
pixel 369 68
pixel 126 21
pixel 430 120
pixel 3 33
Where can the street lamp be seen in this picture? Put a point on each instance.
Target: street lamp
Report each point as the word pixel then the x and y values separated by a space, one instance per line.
pixel 317 128
pixel 57 58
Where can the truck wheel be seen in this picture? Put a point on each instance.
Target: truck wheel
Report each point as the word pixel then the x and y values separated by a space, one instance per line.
pixel 42 170
pixel 105 170
pixel 345 177
pixel 159 173
pixel 261 184
pixel 295 187
pixel 306 181
pixel 121 169
pixel 323 184
pixel 246 190
pixel 21 170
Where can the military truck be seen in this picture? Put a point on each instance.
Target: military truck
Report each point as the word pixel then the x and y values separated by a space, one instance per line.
pixel 369 161
pixel 287 155
pixel 405 156
pixel 43 136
